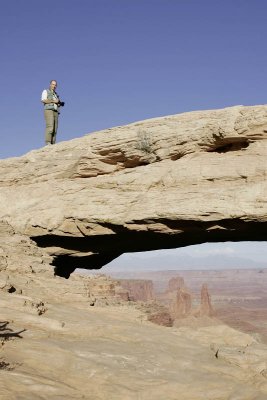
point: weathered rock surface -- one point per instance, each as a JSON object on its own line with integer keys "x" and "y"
{"x": 139, "y": 289}
{"x": 165, "y": 182}
{"x": 205, "y": 306}
{"x": 162, "y": 183}
{"x": 74, "y": 351}
{"x": 181, "y": 307}
{"x": 175, "y": 284}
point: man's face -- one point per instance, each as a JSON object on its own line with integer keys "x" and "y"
{"x": 53, "y": 85}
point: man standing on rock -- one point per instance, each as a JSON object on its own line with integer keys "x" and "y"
{"x": 52, "y": 103}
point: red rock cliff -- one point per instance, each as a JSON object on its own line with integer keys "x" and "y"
{"x": 138, "y": 289}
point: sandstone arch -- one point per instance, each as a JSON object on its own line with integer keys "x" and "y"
{"x": 162, "y": 183}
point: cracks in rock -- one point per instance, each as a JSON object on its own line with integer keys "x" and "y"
{"x": 146, "y": 147}
{"x": 177, "y": 156}
{"x": 226, "y": 147}
{"x": 124, "y": 157}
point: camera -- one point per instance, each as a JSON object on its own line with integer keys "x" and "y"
{"x": 61, "y": 103}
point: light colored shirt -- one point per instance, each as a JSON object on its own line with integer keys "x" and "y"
{"x": 44, "y": 97}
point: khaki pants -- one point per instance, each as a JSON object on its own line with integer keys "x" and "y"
{"x": 51, "y": 120}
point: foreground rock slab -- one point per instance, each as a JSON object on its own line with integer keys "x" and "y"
{"x": 76, "y": 351}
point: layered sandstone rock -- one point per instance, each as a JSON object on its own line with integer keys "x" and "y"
{"x": 103, "y": 353}
{"x": 162, "y": 183}
{"x": 25, "y": 271}
{"x": 158, "y": 314}
{"x": 181, "y": 307}
{"x": 206, "y": 307}
{"x": 139, "y": 289}
{"x": 175, "y": 284}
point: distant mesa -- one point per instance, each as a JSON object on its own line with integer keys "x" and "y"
{"x": 139, "y": 290}
{"x": 181, "y": 305}
{"x": 175, "y": 283}
{"x": 176, "y": 302}
{"x": 206, "y": 307}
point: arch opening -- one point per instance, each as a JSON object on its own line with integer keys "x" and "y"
{"x": 93, "y": 252}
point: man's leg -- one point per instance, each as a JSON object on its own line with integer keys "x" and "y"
{"x": 49, "y": 128}
{"x": 55, "y": 127}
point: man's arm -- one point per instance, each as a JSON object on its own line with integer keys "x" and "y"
{"x": 45, "y": 100}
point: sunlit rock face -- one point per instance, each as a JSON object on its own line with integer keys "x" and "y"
{"x": 139, "y": 290}
{"x": 206, "y": 306}
{"x": 161, "y": 183}
{"x": 175, "y": 283}
{"x": 181, "y": 307}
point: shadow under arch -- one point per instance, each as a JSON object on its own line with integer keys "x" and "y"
{"x": 93, "y": 252}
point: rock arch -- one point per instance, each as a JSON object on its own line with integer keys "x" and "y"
{"x": 161, "y": 183}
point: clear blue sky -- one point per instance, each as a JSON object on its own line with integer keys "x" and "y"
{"x": 119, "y": 61}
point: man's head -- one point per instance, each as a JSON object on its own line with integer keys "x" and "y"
{"x": 53, "y": 85}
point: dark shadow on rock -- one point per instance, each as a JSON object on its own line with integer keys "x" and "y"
{"x": 6, "y": 332}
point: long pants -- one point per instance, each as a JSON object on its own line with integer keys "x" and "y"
{"x": 51, "y": 120}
